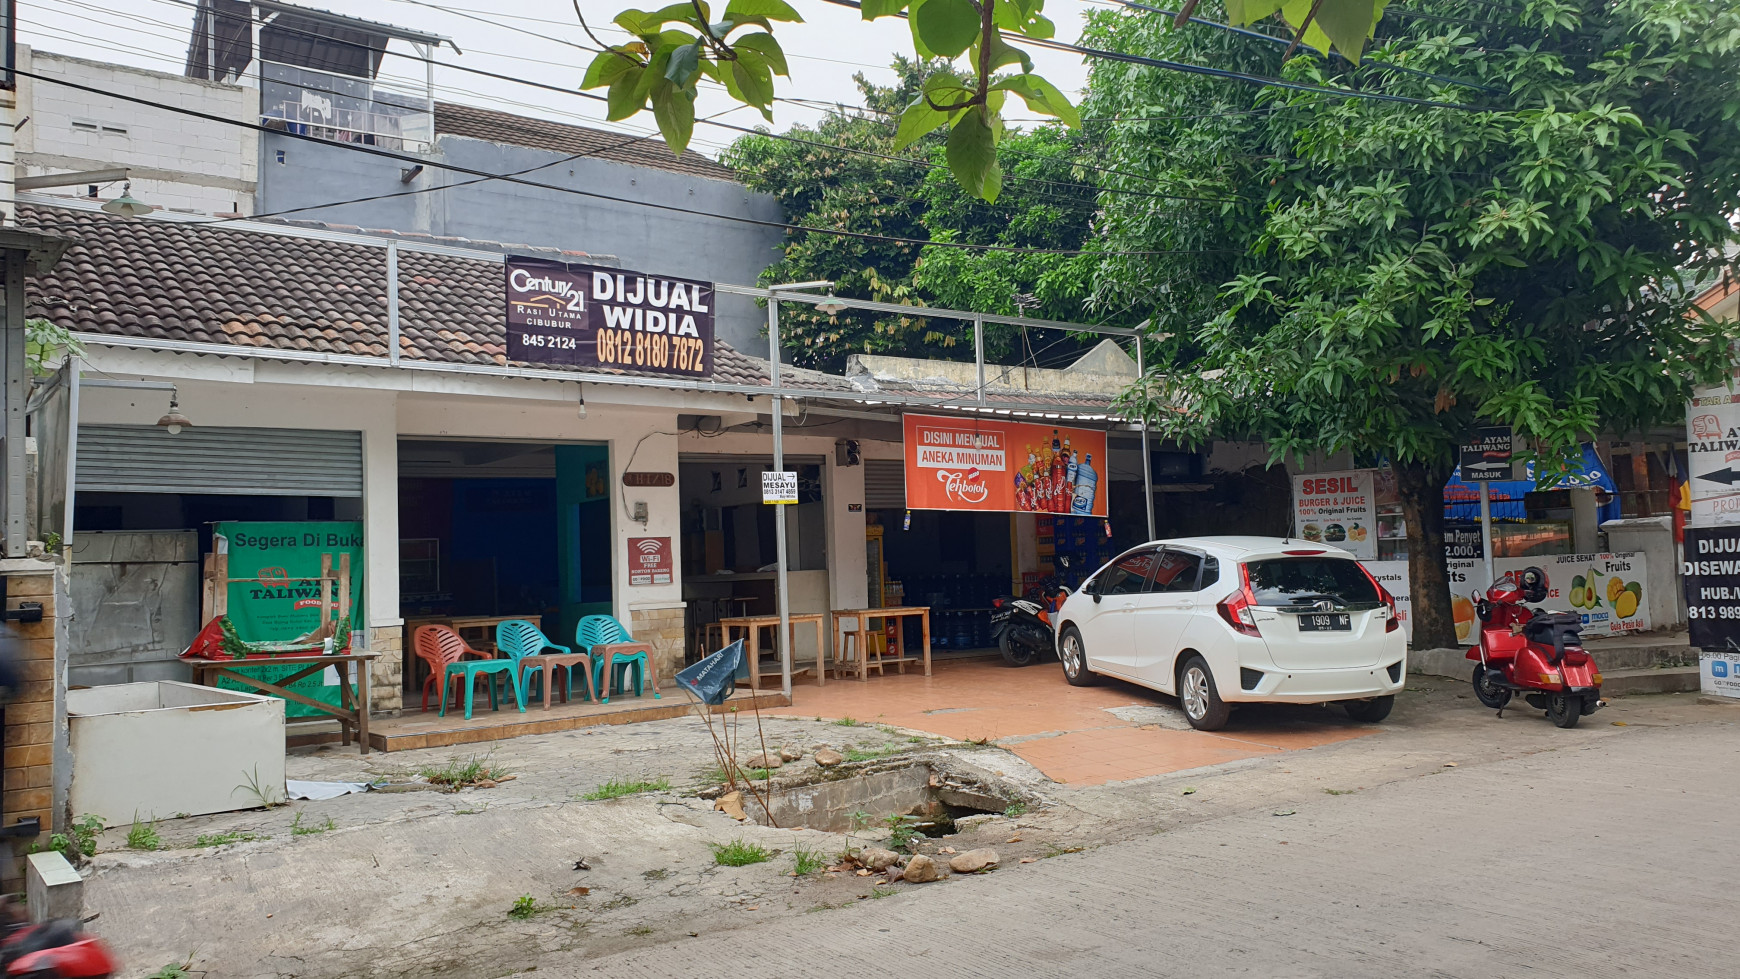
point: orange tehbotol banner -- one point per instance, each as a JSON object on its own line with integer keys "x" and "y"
{"x": 991, "y": 465}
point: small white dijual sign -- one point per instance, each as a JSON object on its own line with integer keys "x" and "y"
{"x": 778, "y": 487}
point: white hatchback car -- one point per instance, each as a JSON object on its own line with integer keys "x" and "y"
{"x": 1223, "y": 620}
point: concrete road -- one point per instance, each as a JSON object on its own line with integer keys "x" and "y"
{"x": 1608, "y": 857}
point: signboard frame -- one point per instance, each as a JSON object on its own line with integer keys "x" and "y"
{"x": 578, "y": 315}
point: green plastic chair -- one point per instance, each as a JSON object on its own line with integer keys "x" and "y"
{"x": 604, "y": 630}
{"x": 518, "y": 639}
{"x": 445, "y": 652}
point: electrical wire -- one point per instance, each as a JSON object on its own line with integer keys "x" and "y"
{"x": 729, "y": 126}
{"x": 652, "y": 205}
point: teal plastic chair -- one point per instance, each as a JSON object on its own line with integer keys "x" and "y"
{"x": 603, "y": 630}
{"x": 445, "y": 652}
{"x": 518, "y": 639}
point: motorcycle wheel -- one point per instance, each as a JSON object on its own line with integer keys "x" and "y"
{"x": 1489, "y": 693}
{"x": 1565, "y": 710}
{"x": 1016, "y": 652}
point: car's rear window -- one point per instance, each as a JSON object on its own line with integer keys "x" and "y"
{"x": 1286, "y": 581}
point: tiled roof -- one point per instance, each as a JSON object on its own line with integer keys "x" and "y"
{"x": 218, "y": 284}
{"x": 505, "y": 127}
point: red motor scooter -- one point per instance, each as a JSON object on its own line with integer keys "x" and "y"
{"x": 1539, "y": 654}
{"x": 57, "y": 949}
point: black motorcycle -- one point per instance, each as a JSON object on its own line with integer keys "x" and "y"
{"x": 1023, "y": 625}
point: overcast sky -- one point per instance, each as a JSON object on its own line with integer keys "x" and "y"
{"x": 533, "y": 39}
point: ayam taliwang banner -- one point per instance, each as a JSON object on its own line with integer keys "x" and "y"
{"x": 981, "y": 464}
{"x": 587, "y": 316}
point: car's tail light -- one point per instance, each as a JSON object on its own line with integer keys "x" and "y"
{"x": 996, "y": 603}
{"x": 1238, "y": 609}
{"x": 1301, "y": 553}
{"x": 1392, "y": 623}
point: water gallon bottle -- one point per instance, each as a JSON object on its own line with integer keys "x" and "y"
{"x": 1086, "y": 481}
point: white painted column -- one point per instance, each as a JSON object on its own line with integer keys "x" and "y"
{"x": 848, "y": 578}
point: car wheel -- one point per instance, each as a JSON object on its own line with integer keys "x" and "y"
{"x": 1074, "y": 657}
{"x": 1203, "y": 707}
{"x": 1370, "y": 711}
{"x": 1489, "y": 693}
{"x": 1565, "y": 710}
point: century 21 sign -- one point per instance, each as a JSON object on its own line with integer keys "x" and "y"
{"x": 587, "y": 316}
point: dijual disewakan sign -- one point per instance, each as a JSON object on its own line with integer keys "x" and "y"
{"x": 980, "y": 464}
{"x": 588, "y": 316}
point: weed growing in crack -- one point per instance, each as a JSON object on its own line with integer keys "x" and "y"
{"x": 1339, "y": 791}
{"x": 1016, "y": 808}
{"x": 267, "y": 796}
{"x": 873, "y": 754}
{"x": 860, "y": 819}
{"x": 297, "y": 829}
{"x": 878, "y": 893}
{"x": 805, "y": 861}
{"x": 659, "y": 874}
{"x": 640, "y": 931}
{"x": 225, "y": 839}
{"x": 847, "y": 722}
{"x": 80, "y": 839}
{"x": 456, "y": 774}
{"x": 738, "y": 853}
{"x": 617, "y": 788}
{"x": 526, "y": 907}
{"x": 174, "y": 970}
{"x": 143, "y": 836}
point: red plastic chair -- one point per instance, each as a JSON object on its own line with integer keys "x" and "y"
{"x": 442, "y": 648}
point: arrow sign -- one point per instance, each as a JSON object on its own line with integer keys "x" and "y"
{"x": 1728, "y": 476}
{"x": 1490, "y": 465}
{"x": 1487, "y": 458}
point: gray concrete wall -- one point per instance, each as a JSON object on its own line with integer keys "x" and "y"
{"x": 645, "y": 239}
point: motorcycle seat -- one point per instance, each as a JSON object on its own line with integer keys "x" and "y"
{"x": 1556, "y": 629}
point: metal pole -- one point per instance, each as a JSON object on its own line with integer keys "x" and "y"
{"x": 979, "y": 352}
{"x": 1147, "y": 462}
{"x": 1486, "y": 530}
{"x": 779, "y": 519}
{"x": 17, "y": 388}
{"x": 393, "y": 303}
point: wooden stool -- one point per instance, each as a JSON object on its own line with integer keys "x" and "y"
{"x": 849, "y": 662}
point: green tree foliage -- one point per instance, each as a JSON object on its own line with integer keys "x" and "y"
{"x": 1398, "y": 274}
{"x": 846, "y": 174}
{"x": 679, "y": 46}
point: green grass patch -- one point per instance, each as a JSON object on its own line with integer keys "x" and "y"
{"x": 738, "y": 853}
{"x": 174, "y": 970}
{"x": 617, "y": 788}
{"x": 1339, "y": 791}
{"x": 526, "y": 907}
{"x": 297, "y": 829}
{"x": 1016, "y": 808}
{"x": 226, "y": 838}
{"x": 878, "y": 893}
{"x": 80, "y": 839}
{"x": 143, "y": 836}
{"x": 847, "y": 722}
{"x": 456, "y": 774}
{"x": 805, "y": 861}
{"x": 758, "y": 774}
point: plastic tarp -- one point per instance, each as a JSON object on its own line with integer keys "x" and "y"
{"x": 1462, "y": 500}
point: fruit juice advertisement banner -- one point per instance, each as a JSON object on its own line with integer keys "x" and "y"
{"x": 978, "y": 464}
{"x": 1338, "y": 508}
{"x": 1606, "y": 590}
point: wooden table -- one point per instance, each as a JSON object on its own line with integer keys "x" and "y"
{"x": 753, "y": 624}
{"x": 352, "y": 710}
{"x": 863, "y": 617}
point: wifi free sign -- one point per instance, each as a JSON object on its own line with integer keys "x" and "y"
{"x": 587, "y": 316}
{"x": 649, "y": 561}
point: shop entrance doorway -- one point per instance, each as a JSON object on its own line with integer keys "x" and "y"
{"x": 492, "y": 530}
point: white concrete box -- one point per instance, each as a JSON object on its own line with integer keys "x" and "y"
{"x": 161, "y": 749}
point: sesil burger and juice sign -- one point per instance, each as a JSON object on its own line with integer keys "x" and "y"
{"x": 979, "y": 464}
{"x": 588, "y": 316}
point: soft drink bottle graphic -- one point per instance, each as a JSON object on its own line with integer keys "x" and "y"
{"x": 1086, "y": 482}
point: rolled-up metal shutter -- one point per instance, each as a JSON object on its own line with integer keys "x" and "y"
{"x": 222, "y": 461}
{"x": 884, "y": 484}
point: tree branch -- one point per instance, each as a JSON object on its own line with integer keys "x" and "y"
{"x": 613, "y": 49}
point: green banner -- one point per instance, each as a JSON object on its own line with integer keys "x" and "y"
{"x": 285, "y": 602}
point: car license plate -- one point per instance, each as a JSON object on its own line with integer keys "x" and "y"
{"x": 1332, "y": 622}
